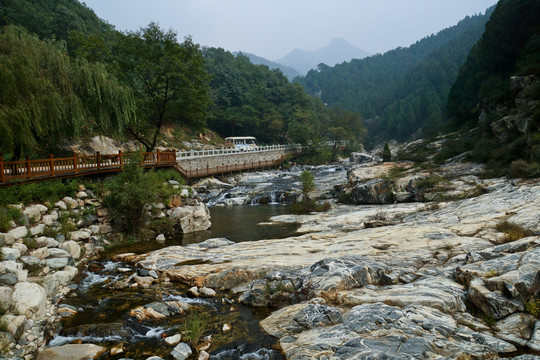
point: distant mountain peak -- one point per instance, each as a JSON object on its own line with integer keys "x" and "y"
{"x": 337, "y": 51}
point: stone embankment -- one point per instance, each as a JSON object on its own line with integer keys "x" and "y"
{"x": 40, "y": 258}
{"x": 407, "y": 280}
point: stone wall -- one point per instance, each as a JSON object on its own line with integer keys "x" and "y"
{"x": 231, "y": 159}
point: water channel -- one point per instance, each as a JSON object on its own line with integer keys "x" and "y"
{"x": 103, "y": 313}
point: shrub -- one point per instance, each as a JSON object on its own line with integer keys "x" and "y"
{"x": 308, "y": 184}
{"x": 194, "y": 328}
{"x": 308, "y": 206}
{"x": 162, "y": 226}
{"x": 129, "y": 194}
{"x": 8, "y": 214}
{"x": 512, "y": 231}
{"x": 345, "y": 197}
{"x": 524, "y": 169}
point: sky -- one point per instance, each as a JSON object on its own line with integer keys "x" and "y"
{"x": 273, "y": 28}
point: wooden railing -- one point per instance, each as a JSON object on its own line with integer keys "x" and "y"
{"x": 225, "y": 169}
{"x": 230, "y": 151}
{"x": 32, "y": 170}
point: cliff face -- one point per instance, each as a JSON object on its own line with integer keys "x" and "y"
{"x": 518, "y": 117}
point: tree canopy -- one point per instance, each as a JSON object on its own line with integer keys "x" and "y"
{"x": 168, "y": 81}
{"x": 45, "y": 95}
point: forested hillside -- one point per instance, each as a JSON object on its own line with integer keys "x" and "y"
{"x": 498, "y": 92}
{"x": 404, "y": 89}
{"x": 65, "y": 72}
{"x": 510, "y": 46}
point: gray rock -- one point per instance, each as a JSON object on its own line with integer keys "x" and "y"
{"x": 181, "y": 352}
{"x": 10, "y": 253}
{"x": 6, "y": 293}
{"x": 57, "y": 263}
{"x": 8, "y": 279}
{"x": 191, "y": 218}
{"x": 15, "y": 325}
{"x": 160, "y": 238}
{"x": 30, "y": 260}
{"x": 360, "y": 158}
{"x": 72, "y": 351}
{"x": 373, "y": 192}
{"x": 58, "y": 253}
{"x": 30, "y": 300}
{"x": 494, "y": 303}
{"x": 214, "y": 243}
{"x": 173, "y": 340}
{"x": 72, "y": 248}
{"x": 15, "y": 234}
{"x": 343, "y": 273}
{"x": 37, "y": 230}
{"x": 516, "y": 328}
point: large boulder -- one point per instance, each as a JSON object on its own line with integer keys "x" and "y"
{"x": 376, "y": 191}
{"x": 30, "y": 300}
{"x": 360, "y": 158}
{"x": 191, "y": 218}
{"x": 72, "y": 352}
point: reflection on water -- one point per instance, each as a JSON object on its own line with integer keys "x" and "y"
{"x": 236, "y": 223}
{"x": 241, "y": 223}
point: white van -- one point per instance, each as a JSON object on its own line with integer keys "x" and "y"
{"x": 241, "y": 142}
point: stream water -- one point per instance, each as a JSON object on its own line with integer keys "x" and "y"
{"x": 103, "y": 312}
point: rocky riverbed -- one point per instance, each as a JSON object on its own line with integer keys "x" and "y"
{"x": 406, "y": 280}
{"x": 391, "y": 275}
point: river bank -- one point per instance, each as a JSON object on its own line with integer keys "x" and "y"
{"x": 395, "y": 276}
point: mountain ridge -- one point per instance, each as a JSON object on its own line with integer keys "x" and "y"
{"x": 337, "y": 51}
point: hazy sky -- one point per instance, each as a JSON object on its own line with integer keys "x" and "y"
{"x": 272, "y": 28}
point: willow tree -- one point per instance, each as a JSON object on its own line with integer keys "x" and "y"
{"x": 46, "y": 96}
{"x": 168, "y": 80}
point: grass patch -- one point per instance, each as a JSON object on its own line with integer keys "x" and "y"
{"x": 512, "y": 231}
{"x": 39, "y": 192}
{"x": 8, "y": 214}
{"x": 533, "y": 307}
{"x": 429, "y": 182}
{"x": 524, "y": 169}
{"x": 194, "y": 328}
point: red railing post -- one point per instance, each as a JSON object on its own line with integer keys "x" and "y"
{"x": 120, "y": 160}
{"x": 2, "y": 168}
{"x": 98, "y": 159}
{"x": 28, "y": 169}
{"x": 51, "y": 164}
{"x": 75, "y": 162}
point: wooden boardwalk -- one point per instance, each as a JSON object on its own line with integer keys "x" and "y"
{"x": 25, "y": 171}
{"x": 17, "y": 172}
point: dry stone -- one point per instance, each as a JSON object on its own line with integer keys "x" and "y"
{"x": 72, "y": 352}
{"x": 30, "y": 300}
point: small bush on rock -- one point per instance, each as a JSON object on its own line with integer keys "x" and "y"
{"x": 512, "y": 231}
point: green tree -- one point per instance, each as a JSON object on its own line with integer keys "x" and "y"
{"x": 308, "y": 184}
{"x": 168, "y": 80}
{"x": 386, "y": 154}
{"x": 45, "y": 96}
